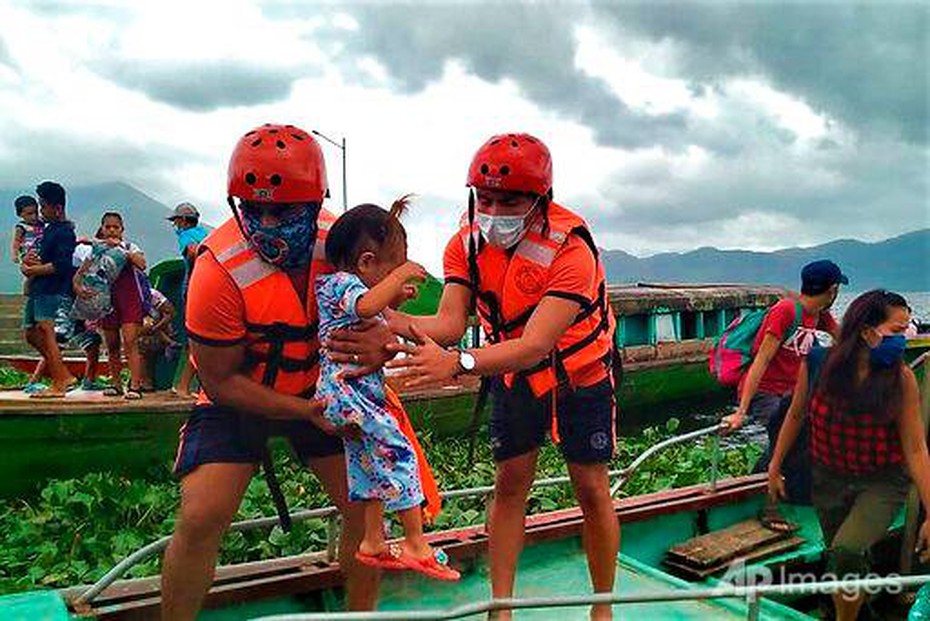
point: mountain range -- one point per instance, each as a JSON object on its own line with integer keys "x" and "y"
{"x": 901, "y": 263}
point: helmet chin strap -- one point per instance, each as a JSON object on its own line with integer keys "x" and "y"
{"x": 235, "y": 212}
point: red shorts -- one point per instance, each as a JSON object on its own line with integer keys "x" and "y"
{"x": 127, "y": 301}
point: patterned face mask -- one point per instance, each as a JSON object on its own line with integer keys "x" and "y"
{"x": 289, "y": 243}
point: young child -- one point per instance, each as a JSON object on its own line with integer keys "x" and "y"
{"x": 28, "y": 231}
{"x": 156, "y": 337}
{"x": 368, "y": 247}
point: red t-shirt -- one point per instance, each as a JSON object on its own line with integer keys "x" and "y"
{"x": 782, "y": 372}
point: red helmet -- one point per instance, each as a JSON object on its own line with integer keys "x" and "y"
{"x": 277, "y": 164}
{"x": 515, "y": 162}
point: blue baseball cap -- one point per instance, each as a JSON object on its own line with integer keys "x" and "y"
{"x": 818, "y": 276}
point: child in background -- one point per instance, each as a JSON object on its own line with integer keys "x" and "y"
{"x": 27, "y": 232}
{"x": 156, "y": 337}
{"x": 368, "y": 246}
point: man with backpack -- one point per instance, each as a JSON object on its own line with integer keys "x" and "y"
{"x": 785, "y": 336}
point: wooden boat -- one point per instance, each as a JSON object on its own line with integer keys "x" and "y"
{"x": 676, "y": 545}
{"x": 552, "y": 565}
{"x": 664, "y": 330}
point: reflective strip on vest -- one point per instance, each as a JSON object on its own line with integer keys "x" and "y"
{"x": 251, "y": 272}
{"x": 556, "y": 236}
{"x": 232, "y": 251}
{"x": 537, "y": 253}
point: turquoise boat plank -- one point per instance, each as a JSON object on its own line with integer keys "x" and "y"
{"x": 34, "y": 606}
{"x": 559, "y": 569}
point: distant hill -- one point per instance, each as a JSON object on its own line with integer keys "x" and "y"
{"x": 143, "y": 215}
{"x": 901, "y": 263}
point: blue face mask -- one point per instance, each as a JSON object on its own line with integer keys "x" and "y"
{"x": 289, "y": 243}
{"x": 889, "y": 351}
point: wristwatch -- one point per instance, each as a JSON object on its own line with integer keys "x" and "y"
{"x": 466, "y": 363}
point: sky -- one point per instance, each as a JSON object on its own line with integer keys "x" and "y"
{"x": 754, "y": 125}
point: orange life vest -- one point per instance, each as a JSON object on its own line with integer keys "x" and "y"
{"x": 282, "y": 340}
{"x": 282, "y": 343}
{"x": 509, "y": 286}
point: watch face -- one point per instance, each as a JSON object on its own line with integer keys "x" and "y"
{"x": 467, "y": 361}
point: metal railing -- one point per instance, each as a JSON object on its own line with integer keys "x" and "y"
{"x": 751, "y": 595}
{"x": 331, "y": 514}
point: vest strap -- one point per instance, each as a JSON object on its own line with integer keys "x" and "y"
{"x": 283, "y": 332}
{"x": 288, "y": 365}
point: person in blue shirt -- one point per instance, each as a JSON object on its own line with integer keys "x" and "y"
{"x": 187, "y": 227}
{"x": 186, "y": 221}
{"x": 50, "y": 271}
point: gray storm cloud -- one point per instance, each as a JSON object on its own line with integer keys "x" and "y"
{"x": 74, "y": 160}
{"x": 531, "y": 44}
{"x": 862, "y": 65}
{"x": 203, "y": 85}
{"x": 866, "y": 64}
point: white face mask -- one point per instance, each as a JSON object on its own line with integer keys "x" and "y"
{"x": 503, "y": 231}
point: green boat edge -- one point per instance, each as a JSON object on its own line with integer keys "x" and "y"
{"x": 673, "y": 374}
{"x": 552, "y": 564}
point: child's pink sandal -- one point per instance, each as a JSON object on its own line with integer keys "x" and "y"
{"x": 389, "y": 558}
{"x": 435, "y": 566}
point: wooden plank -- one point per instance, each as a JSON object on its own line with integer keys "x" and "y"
{"x": 129, "y": 600}
{"x": 720, "y": 546}
{"x": 692, "y": 573}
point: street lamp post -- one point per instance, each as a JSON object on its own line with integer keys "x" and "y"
{"x": 341, "y": 145}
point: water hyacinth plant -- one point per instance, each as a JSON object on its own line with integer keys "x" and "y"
{"x": 74, "y": 530}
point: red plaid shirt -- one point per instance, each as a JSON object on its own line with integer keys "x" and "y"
{"x": 854, "y": 444}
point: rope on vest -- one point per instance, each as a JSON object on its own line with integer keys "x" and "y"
{"x": 276, "y": 336}
{"x": 484, "y": 387}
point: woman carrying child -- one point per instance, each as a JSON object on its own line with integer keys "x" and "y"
{"x": 121, "y": 326}
{"x": 867, "y": 441}
{"x": 368, "y": 247}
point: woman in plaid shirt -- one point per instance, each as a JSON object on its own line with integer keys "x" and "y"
{"x": 867, "y": 440}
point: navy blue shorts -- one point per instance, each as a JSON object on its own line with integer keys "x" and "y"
{"x": 218, "y": 435}
{"x": 520, "y": 421}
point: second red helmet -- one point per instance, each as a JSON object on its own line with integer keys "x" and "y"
{"x": 277, "y": 164}
{"x": 513, "y": 162}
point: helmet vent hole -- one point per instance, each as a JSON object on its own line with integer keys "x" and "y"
{"x": 256, "y": 142}
{"x": 280, "y": 144}
{"x": 250, "y": 178}
{"x": 272, "y": 131}
{"x": 513, "y": 143}
{"x": 275, "y": 179}
{"x": 297, "y": 136}
{"x": 505, "y": 169}
{"x": 251, "y": 133}
{"x": 495, "y": 141}
{"x": 485, "y": 169}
